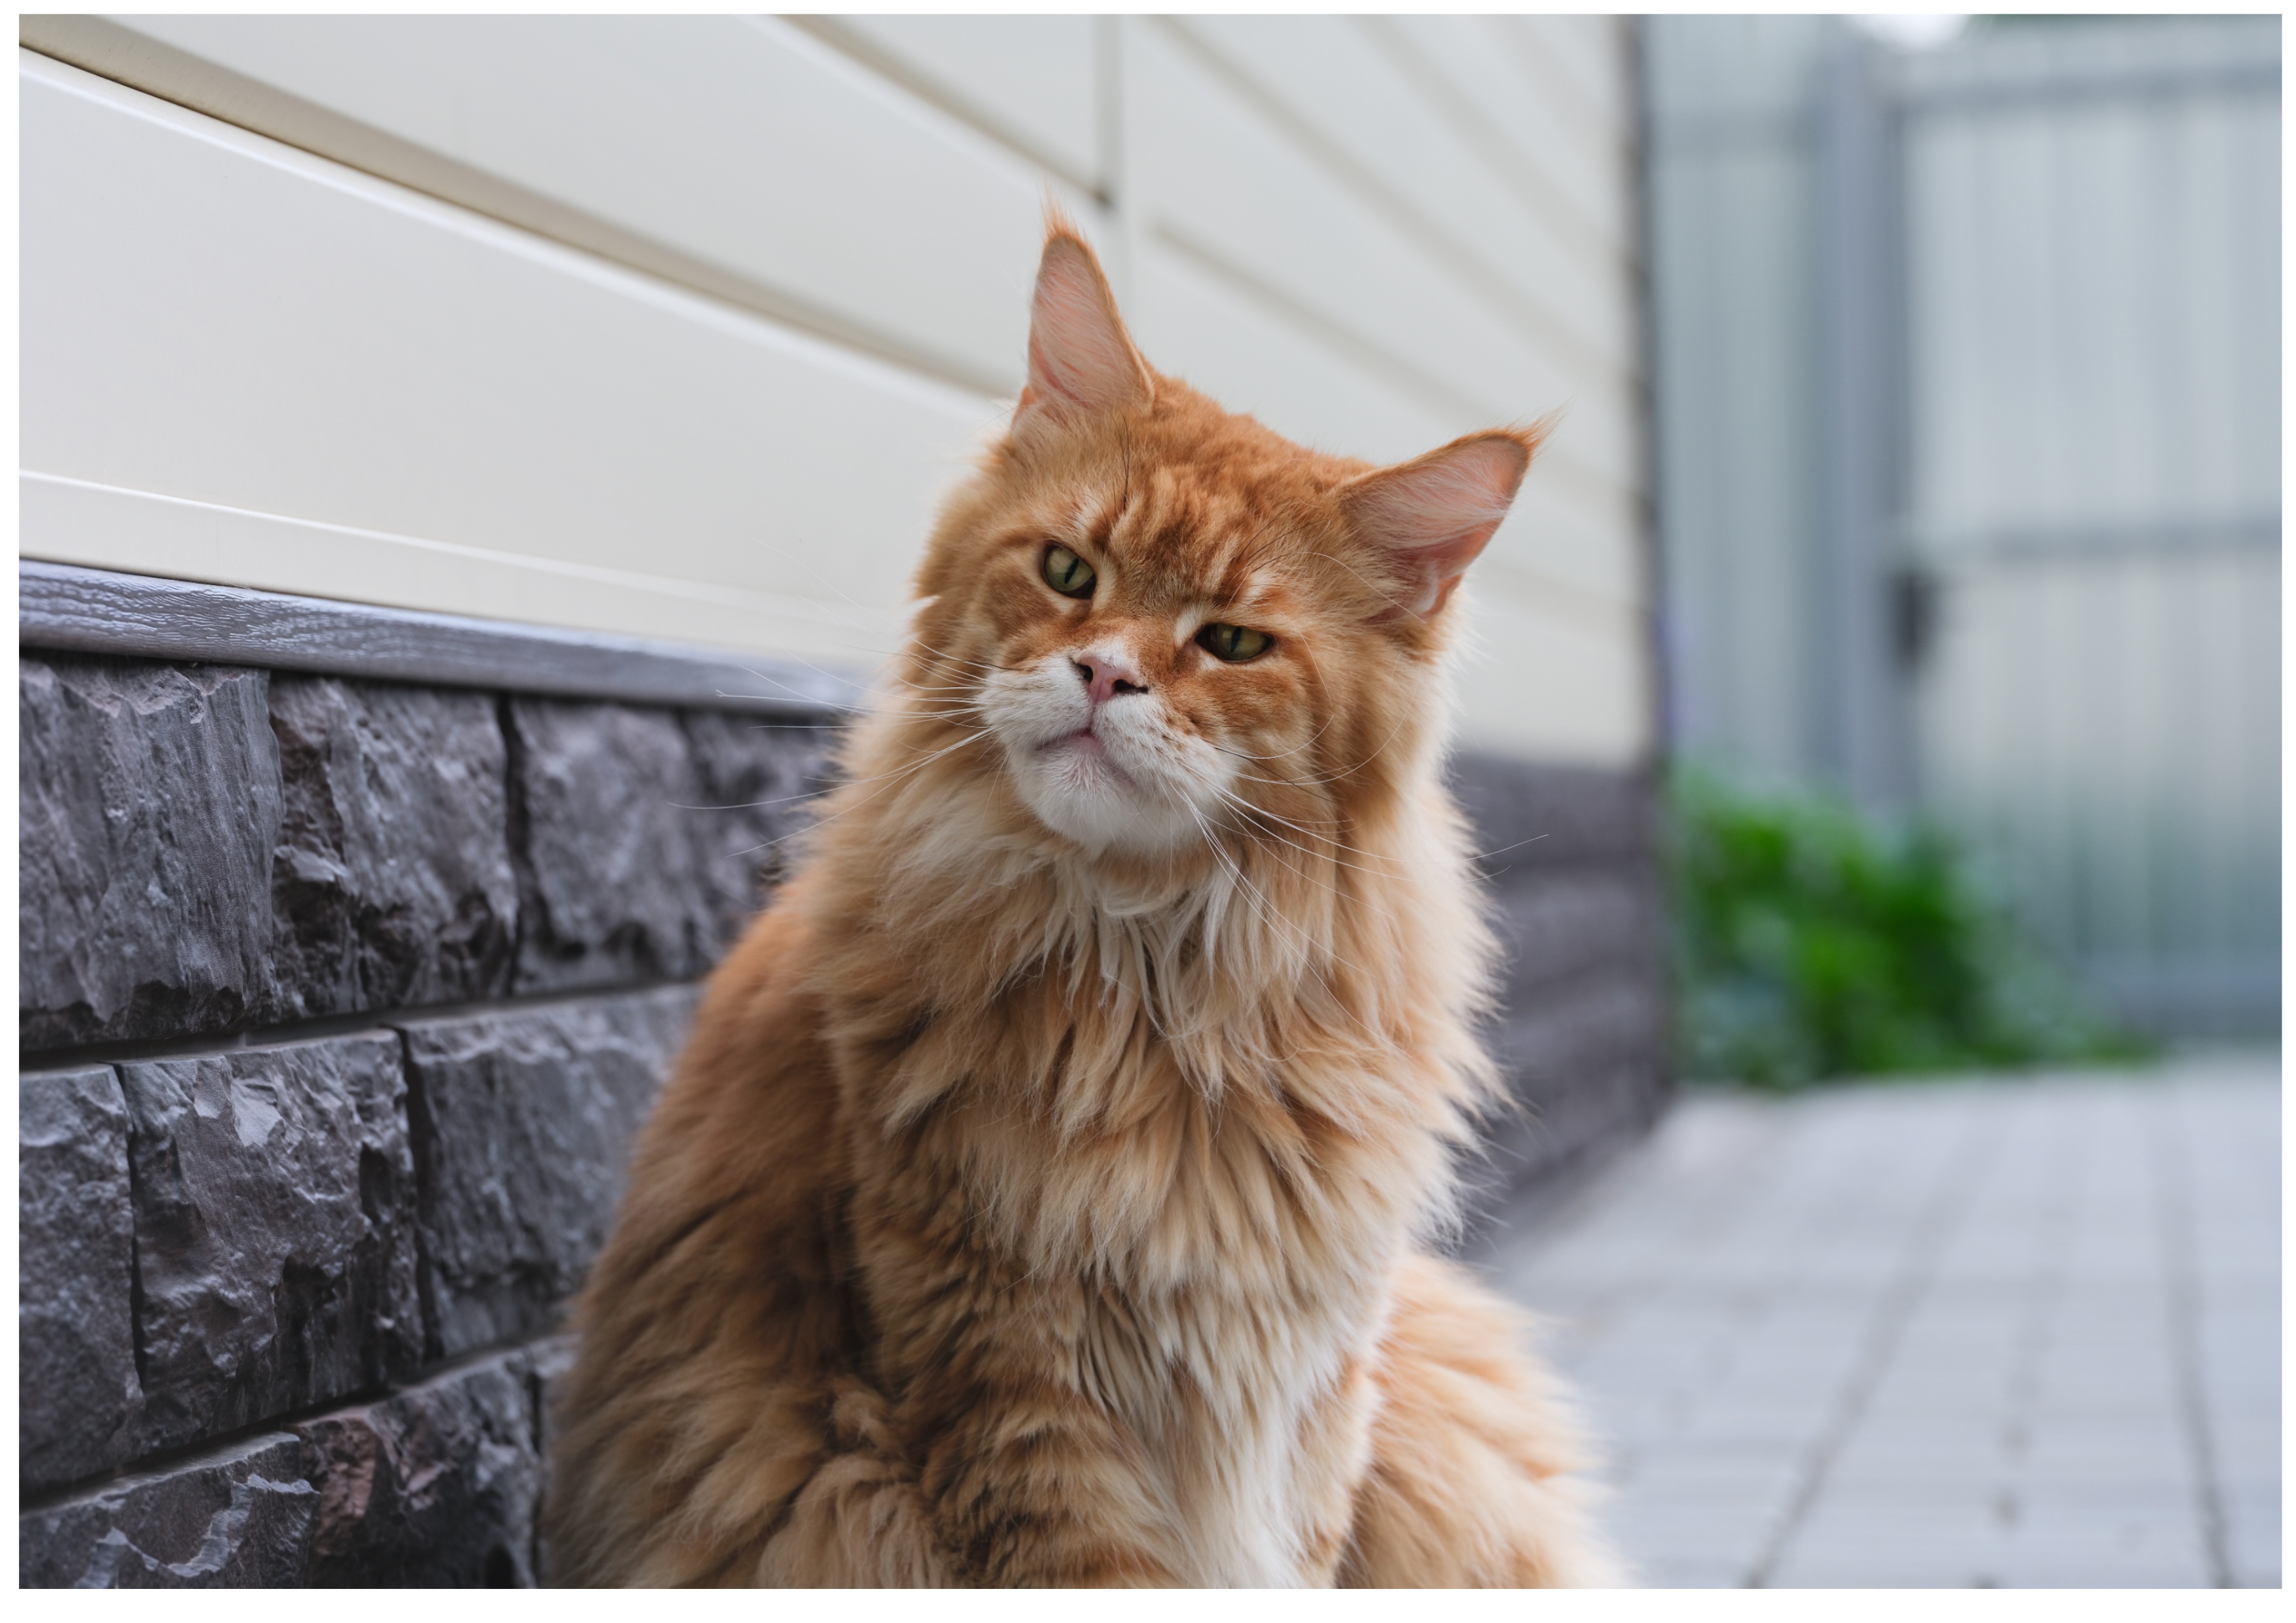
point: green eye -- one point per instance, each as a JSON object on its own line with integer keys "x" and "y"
{"x": 1066, "y": 573}
{"x": 1233, "y": 642}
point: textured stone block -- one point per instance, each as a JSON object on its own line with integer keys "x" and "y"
{"x": 1586, "y": 1067}
{"x": 392, "y": 883}
{"x": 552, "y": 1360}
{"x": 236, "y": 1519}
{"x": 1528, "y": 817}
{"x": 527, "y": 1120}
{"x": 1590, "y": 1021}
{"x": 1593, "y": 920}
{"x": 434, "y": 1487}
{"x": 611, "y": 882}
{"x": 150, "y": 802}
{"x": 76, "y": 1388}
{"x": 754, "y": 778}
{"x": 274, "y": 1229}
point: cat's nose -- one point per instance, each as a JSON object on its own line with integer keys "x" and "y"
{"x": 1106, "y": 675}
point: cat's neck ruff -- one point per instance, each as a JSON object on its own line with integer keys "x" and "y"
{"x": 1344, "y": 980}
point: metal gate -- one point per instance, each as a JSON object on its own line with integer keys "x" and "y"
{"x": 2031, "y": 554}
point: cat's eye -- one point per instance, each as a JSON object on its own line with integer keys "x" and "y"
{"x": 1235, "y": 644}
{"x": 1068, "y": 574}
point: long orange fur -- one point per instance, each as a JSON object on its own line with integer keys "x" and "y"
{"x": 1040, "y": 1198}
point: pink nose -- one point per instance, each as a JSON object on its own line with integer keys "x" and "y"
{"x": 1105, "y": 675}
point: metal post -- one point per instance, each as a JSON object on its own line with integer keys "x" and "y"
{"x": 1859, "y": 718}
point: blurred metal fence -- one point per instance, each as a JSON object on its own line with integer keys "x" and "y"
{"x": 1969, "y": 388}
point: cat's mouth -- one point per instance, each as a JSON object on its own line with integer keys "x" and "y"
{"x": 1084, "y": 756}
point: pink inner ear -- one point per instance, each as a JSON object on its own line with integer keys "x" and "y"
{"x": 1434, "y": 515}
{"x": 1078, "y": 353}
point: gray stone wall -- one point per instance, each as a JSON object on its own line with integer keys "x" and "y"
{"x": 1584, "y": 1034}
{"x": 339, "y": 1002}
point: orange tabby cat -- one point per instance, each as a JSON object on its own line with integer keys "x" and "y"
{"x": 1037, "y": 1200}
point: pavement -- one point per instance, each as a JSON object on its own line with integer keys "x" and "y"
{"x": 2006, "y": 1332}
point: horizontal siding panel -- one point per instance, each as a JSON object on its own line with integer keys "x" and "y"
{"x": 1564, "y": 161}
{"x": 1031, "y": 81}
{"x": 1551, "y": 686}
{"x": 1211, "y": 167}
{"x": 1560, "y": 538}
{"x": 1578, "y": 58}
{"x": 1190, "y": 324}
{"x": 338, "y": 386}
{"x": 1332, "y": 75}
{"x": 209, "y": 315}
{"x": 1587, "y": 545}
{"x": 740, "y": 142}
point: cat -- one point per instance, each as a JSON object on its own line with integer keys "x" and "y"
{"x": 1041, "y": 1197}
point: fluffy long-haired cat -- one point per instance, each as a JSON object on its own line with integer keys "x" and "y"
{"x": 1039, "y": 1197}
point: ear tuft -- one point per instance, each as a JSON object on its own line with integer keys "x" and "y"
{"x": 1429, "y": 517}
{"x": 1081, "y": 361}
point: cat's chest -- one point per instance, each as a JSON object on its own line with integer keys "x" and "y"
{"x": 1177, "y": 1267}
{"x": 1252, "y": 1419}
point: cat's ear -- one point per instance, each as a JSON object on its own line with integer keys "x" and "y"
{"x": 1429, "y": 517}
{"x": 1081, "y": 361}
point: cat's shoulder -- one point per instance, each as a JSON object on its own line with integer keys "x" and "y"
{"x": 755, "y": 1078}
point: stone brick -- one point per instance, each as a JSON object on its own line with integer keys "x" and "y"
{"x": 1593, "y": 1019}
{"x": 552, "y": 1360}
{"x": 432, "y": 1488}
{"x": 149, "y": 804}
{"x": 1585, "y": 1061}
{"x": 611, "y": 887}
{"x": 237, "y": 1519}
{"x": 526, "y": 1120}
{"x": 392, "y": 883}
{"x": 76, "y": 1396}
{"x": 753, "y": 778}
{"x": 274, "y": 1226}
{"x": 1600, "y": 919}
{"x": 1528, "y": 817}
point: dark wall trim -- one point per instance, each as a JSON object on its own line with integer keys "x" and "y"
{"x": 89, "y": 611}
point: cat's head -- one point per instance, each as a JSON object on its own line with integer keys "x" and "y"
{"x": 1170, "y": 621}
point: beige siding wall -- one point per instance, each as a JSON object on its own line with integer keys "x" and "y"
{"x": 676, "y": 327}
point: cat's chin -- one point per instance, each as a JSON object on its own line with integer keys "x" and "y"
{"x": 1076, "y": 790}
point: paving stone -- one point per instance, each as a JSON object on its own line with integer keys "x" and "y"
{"x": 149, "y": 799}
{"x": 435, "y": 1487}
{"x": 77, "y": 1394}
{"x": 392, "y": 883}
{"x": 2028, "y": 1427}
{"x": 613, "y": 887}
{"x": 238, "y": 1518}
{"x": 526, "y": 1123}
{"x": 1686, "y": 1572}
{"x": 274, "y": 1230}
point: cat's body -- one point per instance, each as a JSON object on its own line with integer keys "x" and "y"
{"x": 1036, "y": 1200}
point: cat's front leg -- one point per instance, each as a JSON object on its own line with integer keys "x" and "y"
{"x": 861, "y": 1521}
{"x": 1035, "y": 1486}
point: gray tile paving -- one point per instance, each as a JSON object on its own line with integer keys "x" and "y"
{"x": 1997, "y": 1332}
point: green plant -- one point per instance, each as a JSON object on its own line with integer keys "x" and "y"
{"x": 1814, "y": 941}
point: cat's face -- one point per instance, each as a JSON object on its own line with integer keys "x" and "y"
{"x": 1154, "y": 654}
{"x": 1168, "y": 620}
